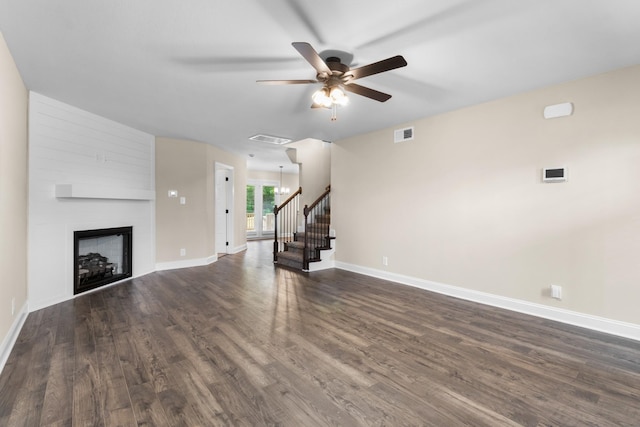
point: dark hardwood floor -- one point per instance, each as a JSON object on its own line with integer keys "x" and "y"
{"x": 240, "y": 342}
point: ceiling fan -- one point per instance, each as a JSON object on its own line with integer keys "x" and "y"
{"x": 337, "y": 77}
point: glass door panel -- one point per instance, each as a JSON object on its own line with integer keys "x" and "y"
{"x": 268, "y": 203}
{"x": 251, "y": 209}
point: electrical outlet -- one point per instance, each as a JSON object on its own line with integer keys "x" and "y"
{"x": 183, "y": 252}
{"x": 13, "y": 306}
{"x": 183, "y": 200}
{"x": 385, "y": 260}
{"x": 556, "y": 292}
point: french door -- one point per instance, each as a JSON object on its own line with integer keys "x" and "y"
{"x": 261, "y": 199}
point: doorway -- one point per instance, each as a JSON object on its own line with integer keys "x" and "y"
{"x": 261, "y": 199}
{"x": 223, "y": 208}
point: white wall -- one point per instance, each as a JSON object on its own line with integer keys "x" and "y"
{"x": 71, "y": 146}
{"x": 463, "y": 205}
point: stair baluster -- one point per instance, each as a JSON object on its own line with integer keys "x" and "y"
{"x": 286, "y": 223}
{"x": 316, "y": 228}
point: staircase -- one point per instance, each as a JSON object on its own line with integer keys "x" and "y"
{"x": 311, "y": 249}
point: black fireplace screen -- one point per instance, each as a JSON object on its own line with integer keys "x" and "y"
{"x": 101, "y": 257}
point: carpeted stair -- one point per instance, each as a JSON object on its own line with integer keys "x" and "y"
{"x": 292, "y": 256}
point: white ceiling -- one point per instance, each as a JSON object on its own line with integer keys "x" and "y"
{"x": 187, "y": 69}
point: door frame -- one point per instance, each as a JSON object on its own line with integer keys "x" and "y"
{"x": 259, "y": 183}
{"x": 226, "y": 194}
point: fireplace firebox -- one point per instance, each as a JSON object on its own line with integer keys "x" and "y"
{"x": 101, "y": 257}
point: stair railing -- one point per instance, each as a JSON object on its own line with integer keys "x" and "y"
{"x": 316, "y": 229}
{"x": 286, "y": 222}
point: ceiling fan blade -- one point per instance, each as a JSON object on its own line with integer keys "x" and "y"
{"x": 312, "y": 57}
{"x": 368, "y": 92}
{"x": 286, "y": 82}
{"x": 377, "y": 67}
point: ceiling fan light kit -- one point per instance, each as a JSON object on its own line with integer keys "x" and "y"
{"x": 327, "y": 97}
{"x": 337, "y": 78}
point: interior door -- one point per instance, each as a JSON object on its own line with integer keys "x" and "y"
{"x": 224, "y": 202}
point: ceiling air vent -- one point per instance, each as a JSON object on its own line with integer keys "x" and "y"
{"x": 269, "y": 139}
{"x": 401, "y": 135}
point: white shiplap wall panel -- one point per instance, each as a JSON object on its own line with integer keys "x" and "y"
{"x": 71, "y": 146}
{"x": 90, "y": 147}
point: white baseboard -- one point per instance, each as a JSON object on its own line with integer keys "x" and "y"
{"x": 238, "y": 249}
{"x": 324, "y": 264}
{"x": 601, "y": 324}
{"x": 196, "y": 262}
{"x": 12, "y": 335}
{"x": 327, "y": 259}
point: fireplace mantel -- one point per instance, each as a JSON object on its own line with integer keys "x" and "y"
{"x": 87, "y": 191}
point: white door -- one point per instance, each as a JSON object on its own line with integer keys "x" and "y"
{"x": 223, "y": 205}
{"x": 261, "y": 199}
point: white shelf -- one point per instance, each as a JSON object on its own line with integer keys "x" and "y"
{"x": 84, "y": 191}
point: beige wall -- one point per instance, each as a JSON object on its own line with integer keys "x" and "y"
{"x": 463, "y": 204}
{"x": 314, "y": 158}
{"x": 13, "y": 190}
{"x": 189, "y": 168}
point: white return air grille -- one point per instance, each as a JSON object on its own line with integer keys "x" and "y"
{"x": 269, "y": 139}
{"x": 402, "y": 135}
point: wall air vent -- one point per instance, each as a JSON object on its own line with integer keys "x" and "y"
{"x": 401, "y": 135}
{"x": 269, "y": 139}
{"x": 554, "y": 174}
{"x": 558, "y": 110}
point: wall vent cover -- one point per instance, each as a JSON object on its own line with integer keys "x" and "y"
{"x": 269, "y": 139}
{"x": 401, "y": 135}
{"x": 558, "y": 174}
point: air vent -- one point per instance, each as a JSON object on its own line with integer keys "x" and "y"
{"x": 554, "y": 174}
{"x": 401, "y": 135}
{"x": 269, "y": 139}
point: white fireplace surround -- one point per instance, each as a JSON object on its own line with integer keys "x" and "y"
{"x": 85, "y": 173}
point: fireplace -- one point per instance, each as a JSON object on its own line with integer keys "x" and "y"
{"x": 101, "y": 257}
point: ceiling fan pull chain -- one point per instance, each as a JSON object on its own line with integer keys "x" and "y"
{"x": 334, "y": 113}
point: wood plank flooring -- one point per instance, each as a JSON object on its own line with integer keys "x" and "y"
{"x": 242, "y": 343}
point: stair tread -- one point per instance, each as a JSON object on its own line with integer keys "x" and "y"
{"x": 312, "y": 235}
{"x": 294, "y": 256}
{"x": 290, "y": 255}
{"x": 300, "y": 246}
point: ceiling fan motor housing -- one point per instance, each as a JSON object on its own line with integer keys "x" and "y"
{"x": 338, "y": 70}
